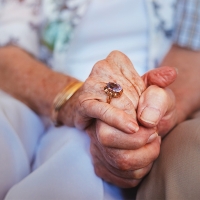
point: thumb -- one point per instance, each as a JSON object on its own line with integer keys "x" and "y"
{"x": 154, "y": 104}
{"x": 162, "y": 76}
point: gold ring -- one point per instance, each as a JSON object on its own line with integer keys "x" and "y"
{"x": 113, "y": 90}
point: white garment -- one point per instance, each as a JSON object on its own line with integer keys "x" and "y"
{"x": 20, "y": 130}
{"x": 62, "y": 164}
{"x": 95, "y": 37}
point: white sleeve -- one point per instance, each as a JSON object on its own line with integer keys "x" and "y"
{"x": 20, "y": 22}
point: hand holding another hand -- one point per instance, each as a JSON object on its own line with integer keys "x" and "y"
{"x": 120, "y": 158}
{"x": 124, "y": 159}
{"x": 89, "y": 102}
{"x": 123, "y": 151}
{"x": 157, "y": 104}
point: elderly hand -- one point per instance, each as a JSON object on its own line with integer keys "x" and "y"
{"x": 115, "y": 145}
{"x": 124, "y": 159}
{"x": 89, "y": 101}
{"x": 157, "y": 104}
{"x": 121, "y": 154}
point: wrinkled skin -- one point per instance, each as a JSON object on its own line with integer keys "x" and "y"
{"x": 90, "y": 101}
{"x": 124, "y": 150}
{"x": 158, "y": 99}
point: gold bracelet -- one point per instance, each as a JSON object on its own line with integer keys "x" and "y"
{"x": 62, "y": 98}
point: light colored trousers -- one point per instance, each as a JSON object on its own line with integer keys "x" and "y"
{"x": 176, "y": 173}
{"x": 41, "y": 162}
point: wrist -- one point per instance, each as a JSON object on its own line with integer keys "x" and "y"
{"x": 187, "y": 84}
{"x": 59, "y": 104}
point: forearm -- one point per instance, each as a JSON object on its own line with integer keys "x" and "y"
{"x": 187, "y": 85}
{"x": 29, "y": 80}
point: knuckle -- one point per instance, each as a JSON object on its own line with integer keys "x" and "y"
{"x": 101, "y": 172}
{"x": 98, "y": 65}
{"x": 128, "y": 105}
{"x": 103, "y": 138}
{"x": 129, "y": 183}
{"x": 134, "y": 183}
{"x": 154, "y": 89}
{"x": 97, "y": 170}
{"x": 103, "y": 134}
{"x": 140, "y": 173}
{"x": 115, "y": 53}
{"x": 82, "y": 101}
{"x": 152, "y": 155}
{"x": 159, "y": 91}
{"x": 123, "y": 161}
{"x": 140, "y": 141}
{"x": 156, "y": 155}
{"x": 105, "y": 113}
{"x": 92, "y": 149}
{"x": 117, "y": 56}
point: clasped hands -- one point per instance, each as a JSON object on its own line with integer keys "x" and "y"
{"x": 124, "y": 133}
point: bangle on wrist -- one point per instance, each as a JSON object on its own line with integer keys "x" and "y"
{"x": 62, "y": 98}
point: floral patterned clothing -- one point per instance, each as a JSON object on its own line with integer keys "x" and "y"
{"x": 45, "y": 28}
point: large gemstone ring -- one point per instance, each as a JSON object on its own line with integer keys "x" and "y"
{"x": 113, "y": 90}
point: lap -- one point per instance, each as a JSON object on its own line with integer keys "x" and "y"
{"x": 20, "y": 130}
{"x": 63, "y": 170}
{"x": 19, "y": 123}
{"x": 175, "y": 174}
{"x": 62, "y": 165}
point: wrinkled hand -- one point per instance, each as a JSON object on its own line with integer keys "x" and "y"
{"x": 89, "y": 102}
{"x": 157, "y": 104}
{"x": 121, "y": 154}
{"x": 124, "y": 159}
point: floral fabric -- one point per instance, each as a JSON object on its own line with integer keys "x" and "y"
{"x": 62, "y": 16}
{"x": 45, "y": 28}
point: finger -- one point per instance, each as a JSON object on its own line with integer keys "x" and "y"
{"x": 123, "y": 73}
{"x": 109, "y": 114}
{"x": 127, "y": 102}
{"x": 129, "y": 174}
{"x": 114, "y": 138}
{"x": 154, "y": 103}
{"x": 117, "y": 58}
{"x": 132, "y": 159}
{"x": 105, "y": 174}
{"x": 115, "y": 63}
{"x": 102, "y": 171}
{"x": 162, "y": 76}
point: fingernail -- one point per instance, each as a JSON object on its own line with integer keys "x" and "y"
{"x": 152, "y": 137}
{"x": 150, "y": 115}
{"x": 133, "y": 127}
